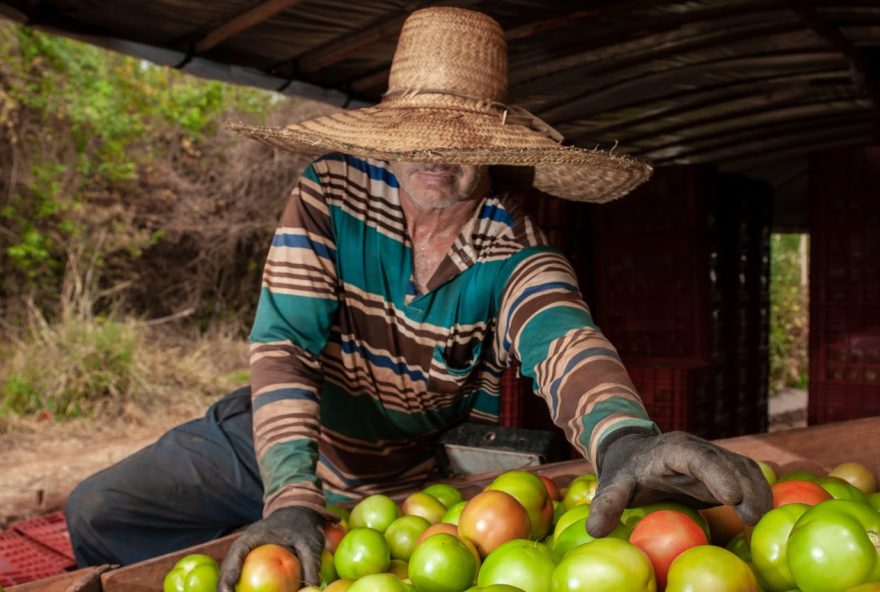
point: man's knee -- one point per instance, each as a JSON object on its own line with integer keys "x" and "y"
{"x": 86, "y": 511}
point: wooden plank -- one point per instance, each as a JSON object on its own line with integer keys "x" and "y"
{"x": 244, "y": 21}
{"x": 87, "y": 579}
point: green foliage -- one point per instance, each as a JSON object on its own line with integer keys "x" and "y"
{"x": 789, "y": 312}
{"x": 82, "y": 125}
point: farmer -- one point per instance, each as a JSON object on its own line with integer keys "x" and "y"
{"x": 403, "y": 278}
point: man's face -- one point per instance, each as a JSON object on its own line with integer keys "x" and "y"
{"x": 433, "y": 185}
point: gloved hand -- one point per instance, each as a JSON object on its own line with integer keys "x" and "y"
{"x": 642, "y": 468}
{"x": 299, "y": 529}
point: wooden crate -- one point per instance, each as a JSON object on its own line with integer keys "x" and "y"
{"x": 817, "y": 448}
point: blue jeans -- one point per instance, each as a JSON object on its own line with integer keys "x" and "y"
{"x": 196, "y": 483}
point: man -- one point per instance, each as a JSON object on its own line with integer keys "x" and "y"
{"x": 403, "y": 278}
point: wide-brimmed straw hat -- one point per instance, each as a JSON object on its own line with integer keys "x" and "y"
{"x": 445, "y": 103}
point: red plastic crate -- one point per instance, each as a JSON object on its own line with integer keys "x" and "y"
{"x": 674, "y": 396}
{"x": 841, "y": 401}
{"x": 23, "y": 560}
{"x": 49, "y": 530}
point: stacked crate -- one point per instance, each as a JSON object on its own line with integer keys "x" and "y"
{"x": 845, "y": 285}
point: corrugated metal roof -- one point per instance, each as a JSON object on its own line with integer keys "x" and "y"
{"x": 741, "y": 83}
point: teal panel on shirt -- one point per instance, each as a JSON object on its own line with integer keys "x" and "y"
{"x": 310, "y": 174}
{"x": 289, "y": 463}
{"x": 362, "y": 417}
{"x": 306, "y": 321}
{"x": 487, "y": 403}
{"x": 543, "y": 329}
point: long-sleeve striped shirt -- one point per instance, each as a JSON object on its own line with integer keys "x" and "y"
{"x": 354, "y": 372}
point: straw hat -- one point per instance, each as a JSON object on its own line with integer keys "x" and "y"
{"x": 445, "y": 103}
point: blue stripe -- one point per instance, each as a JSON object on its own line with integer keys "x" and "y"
{"x": 587, "y": 353}
{"x": 286, "y": 394}
{"x": 298, "y": 241}
{"x": 528, "y": 292}
{"x": 497, "y": 213}
{"x": 375, "y": 173}
{"x": 381, "y": 361}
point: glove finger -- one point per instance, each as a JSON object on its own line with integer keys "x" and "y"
{"x": 230, "y": 569}
{"x": 609, "y": 503}
{"x": 711, "y": 469}
{"x": 757, "y": 498}
{"x": 308, "y": 549}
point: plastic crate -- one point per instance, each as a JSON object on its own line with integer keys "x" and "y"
{"x": 49, "y": 530}
{"x": 840, "y": 401}
{"x": 675, "y": 397}
{"x": 23, "y": 560}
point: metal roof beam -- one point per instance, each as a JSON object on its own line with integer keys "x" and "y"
{"x": 245, "y": 20}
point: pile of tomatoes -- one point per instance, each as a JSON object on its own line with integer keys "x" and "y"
{"x": 523, "y": 534}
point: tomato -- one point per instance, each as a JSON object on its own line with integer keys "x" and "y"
{"x": 383, "y": 582}
{"x": 193, "y": 573}
{"x": 581, "y": 490}
{"x": 495, "y": 588}
{"x": 769, "y": 473}
{"x": 723, "y": 523}
{"x": 343, "y": 513}
{"x": 437, "y": 529}
{"x": 491, "y": 518}
{"x": 576, "y": 534}
{"x": 399, "y": 569}
{"x": 525, "y": 564}
{"x": 442, "y": 563}
{"x": 446, "y": 494}
{"x": 570, "y": 517}
{"x": 609, "y": 565}
{"x": 710, "y": 568}
{"x": 531, "y": 493}
{"x": 770, "y": 543}
{"x": 453, "y": 513}
{"x": 552, "y": 487}
{"x": 798, "y": 492}
{"x": 631, "y": 516}
{"x": 270, "y": 568}
{"x": 856, "y": 475}
{"x": 874, "y": 501}
{"x": 835, "y": 545}
{"x": 328, "y": 568}
{"x": 798, "y": 476}
{"x": 333, "y": 533}
{"x": 339, "y": 586}
{"x": 739, "y": 546}
{"x": 403, "y": 534}
{"x": 873, "y": 587}
{"x": 664, "y": 535}
{"x": 840, "y": 489}
{"x": 425, "y": 505}
{"x": 362, "y": 551}
{"x": 376, "y": 512}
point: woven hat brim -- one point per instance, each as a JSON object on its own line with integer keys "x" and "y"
{"x": 426, "y": 134}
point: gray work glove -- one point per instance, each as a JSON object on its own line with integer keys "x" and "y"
{"x": 299, "y": 529}
{"x": 640, "y": 467}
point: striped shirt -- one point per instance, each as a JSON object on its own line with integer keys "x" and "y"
{"x": 354, "y": 373}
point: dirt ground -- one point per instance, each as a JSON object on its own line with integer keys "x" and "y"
{"x": 41, "y": 463}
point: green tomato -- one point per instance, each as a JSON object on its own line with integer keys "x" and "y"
{"x": 328, "y": 568}
{"x": 631, "y": 516}
{"x": 840, "y": 489}
{"x": 525, "y": 564}
{"x": 442, "y": 563}
{"x": 798, "y": 476}
{"x": 874, "y": 501}
{"x": 375, "y": 511}
{"x": 383, "y": 582}
{"x": 707, "y": 567}
{"x": 739, "y": 547}
{"x": 361, "y": 552}
{"x": 454, "y": 513}
{"x": 447, "y": 494}
{"x": 835, "y": 545}
{"x": 403, "y": 534}
{"x": 769, "y": 473}
{"x": 770, "y": 543}
{"x": 343, "y": 513}
{"x": 569, "y": 517}
{"x": 581, "y": 490}
{"x": 193, "y": 573}
{"x": 610, "y": 565}
{"x": 576, "y": 534}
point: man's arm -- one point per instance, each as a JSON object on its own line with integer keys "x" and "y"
{"x": 298, "y": 301}
{"x": 590, "y": 395}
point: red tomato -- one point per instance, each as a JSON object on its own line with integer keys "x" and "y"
{"x": 424, "y": 505}
{"x": 723, "y": 523}
{"x": 491, "y": 518}
{"x": 333, "y": 533}
{"x": 664, "y": 535}
{"x": 552, "y": 487}
{"x": 798, "y": 492}
{"x": 440, "y": 527}
{"x": 270, "y": 567}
